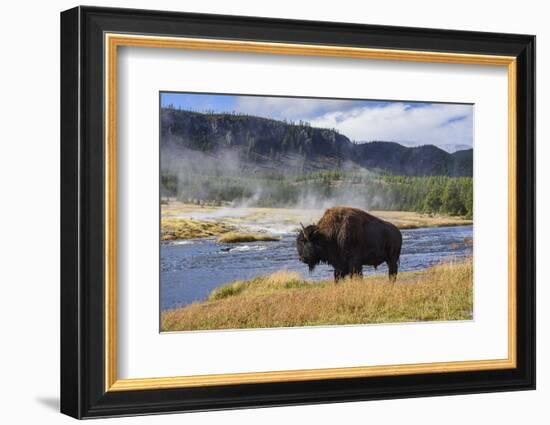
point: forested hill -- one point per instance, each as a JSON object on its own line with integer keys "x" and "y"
{"x": 267, "y": 143}
{"x": 426, "y": 160}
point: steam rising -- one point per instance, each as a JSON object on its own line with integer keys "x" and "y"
{"x": 223, "y": 177}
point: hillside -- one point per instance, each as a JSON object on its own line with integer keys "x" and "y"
{"x": 427, "y": 160}
{"x": 270, "y": 144}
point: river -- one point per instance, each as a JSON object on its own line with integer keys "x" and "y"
{"x": 191, "y": 269}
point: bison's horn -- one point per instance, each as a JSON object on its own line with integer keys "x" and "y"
{"x": 304, "y": 231}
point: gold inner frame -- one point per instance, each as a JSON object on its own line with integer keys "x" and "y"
{"x": 113, "y": 41}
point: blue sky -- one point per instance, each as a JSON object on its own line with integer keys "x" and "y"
{"x": 409, "y": 123}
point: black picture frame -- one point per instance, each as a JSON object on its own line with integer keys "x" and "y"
{"x": 83, "y": 392}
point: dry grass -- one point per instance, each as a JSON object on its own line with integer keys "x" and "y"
{"x": 284, "y": 299}
{"x": 414, "y": 220}
{"x": 173, "y": 228}
{"x": 188, "y": 221}
{"x": 402, "y": 219}
{"x": 235, "y": 237}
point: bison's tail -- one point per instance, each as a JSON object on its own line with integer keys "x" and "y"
{"x": 395, "y": 255}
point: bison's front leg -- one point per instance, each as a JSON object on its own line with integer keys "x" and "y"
{"x": 342, "y": 274}
{"x": 338, "y": 274}
{"x": 357, "y": 269}
{"x": 355, "y": 265}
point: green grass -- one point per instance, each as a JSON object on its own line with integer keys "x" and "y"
{"x": 175, "y": 228}
{"x": 266, "y": 284}
{"x": 284, "y": 299}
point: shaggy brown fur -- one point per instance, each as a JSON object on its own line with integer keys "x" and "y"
{"x": 349, "y": 238}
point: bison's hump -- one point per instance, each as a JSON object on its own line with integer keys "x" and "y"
{"x": 336, "y": 218}
{"x": 336, "y": 215}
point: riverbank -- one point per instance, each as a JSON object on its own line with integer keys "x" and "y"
{"x": 178, "y": 228}
{"x": 187, "y": 221}
{"x": 284, "y": 299}
{"x": 238, "y": 237}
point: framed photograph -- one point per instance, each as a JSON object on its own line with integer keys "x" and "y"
{"x": 261, "y": 212}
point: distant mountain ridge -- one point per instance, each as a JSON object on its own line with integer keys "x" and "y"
{"x": 425, "y": 160}
{"x": 267, "y": 143}
{"x": 454, "y": 147}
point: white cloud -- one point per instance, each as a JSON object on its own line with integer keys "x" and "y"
{"x": 289, "y": 108}
{"x": 444, "y": 125}
{"x": 438, "y": 124}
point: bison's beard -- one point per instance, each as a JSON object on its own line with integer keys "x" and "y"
{"x": 309, "y": 253}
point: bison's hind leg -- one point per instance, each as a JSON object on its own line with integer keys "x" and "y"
{"x": 392, "y": 270}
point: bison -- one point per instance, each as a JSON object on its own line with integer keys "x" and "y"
{"x": 347, "y": 239}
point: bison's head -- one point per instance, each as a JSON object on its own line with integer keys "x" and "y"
{"x": 310, "y": 246}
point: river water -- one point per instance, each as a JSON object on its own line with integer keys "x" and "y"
{"x": 190, "y": 269}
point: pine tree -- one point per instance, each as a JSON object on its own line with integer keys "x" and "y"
{"x": 451, "y": 202}
{"x": 432, "y": 203}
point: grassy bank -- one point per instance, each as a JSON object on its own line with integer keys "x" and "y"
{"x": 173, "y": 228}
{"x": 236, "y": 237}
{"x": 284, "y": 299}
{"x": 186, "y": 221}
